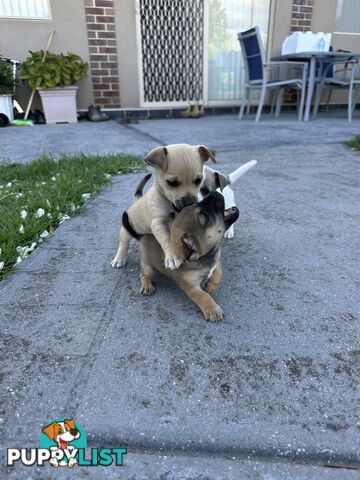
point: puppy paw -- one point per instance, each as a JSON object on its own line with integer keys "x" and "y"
{"x": 173, "y": 262}
{"x": 213, "y": 314}
{"x": 147, "y": 289}
{"x": 229, "y": 233}
{"x": 118, "y": 263}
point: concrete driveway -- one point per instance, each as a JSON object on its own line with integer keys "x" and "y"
{"x": 272, "y": 392}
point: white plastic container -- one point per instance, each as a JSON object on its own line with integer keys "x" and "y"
{"x": 6, "y": 106}
{"x": 306, "y": 42}
{"x": 59, "y": 104}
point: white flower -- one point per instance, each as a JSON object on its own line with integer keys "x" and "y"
{"x": 85, "y": 196}
{"x": 44, "y": 234}
{"x": 32, "y": 247}
{"x": 0, "y": 251}
{"x": 2, "y": 265}
{"x": 62, "y": 218}
{"x": 9, "y": 184}
{"x": 43, "y": 183}
{"x": 48, "y": 203}
{"x": 39, "y": 213}
{"x": 21, "y": 229}
{"x": 107, "y": 176}
{"x": 53, "y": 178}
{"x": 72, "y": 207}
{"x": 49, "y": 215}
{"x": 19, "y": 260}
{"x": 23, "y": 214}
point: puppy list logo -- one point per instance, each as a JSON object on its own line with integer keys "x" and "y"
{"x": 63, "y": 444}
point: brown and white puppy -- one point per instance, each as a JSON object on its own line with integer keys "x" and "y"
{"x": 62, "y": 433}
{"x": 195, "y": 234}
{"x": 178, "y": 175}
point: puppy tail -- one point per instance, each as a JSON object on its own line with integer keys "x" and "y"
{"x": 139, "y": 189}
{"x": 236, "y": 174}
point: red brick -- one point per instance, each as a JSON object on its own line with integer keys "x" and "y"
{"x": 110, "y": 79}
{"x": 110, "y": 27}
{"x": 106, "y": 35}
{"x": 93, "y": 50}
{"x": 114, "y": 71}
{"x": 104, "y": 19}
{"x": 90, "y": 19}
{"x": 89, "y": 3}
{"x": 91, "y": 34}
{"x": 96, "y": 26}
{"x": 110, "y": 11}
{"x": 94, "y": 65}
{"x": 111, "y": 43}
{"x": 107, "y": 50}
{"x": 94, "y": 11}
{"x": 95, "y": 41}
{"x": 108, "y": 65}
{"x": 104, "y": 3}
{"x": 99, "y": 58}
{"x": 101, "y": 86}
{"x": 99, "y": 72}
{"x": 109, "y": 94}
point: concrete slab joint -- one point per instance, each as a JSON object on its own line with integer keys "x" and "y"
{"x": 100, "y": 21}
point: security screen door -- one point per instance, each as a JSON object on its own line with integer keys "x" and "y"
{"x": 188, "y": 49}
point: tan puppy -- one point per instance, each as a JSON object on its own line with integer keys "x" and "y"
{"x": 178, "y": 175}
{"x": 195, "y": 234}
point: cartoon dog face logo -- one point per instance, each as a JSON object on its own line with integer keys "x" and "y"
{"x": 62, "y": 433}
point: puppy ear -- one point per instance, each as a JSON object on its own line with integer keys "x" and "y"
{"x": 157, "y": 158}
{"x": 192, "y": 245}
{"x": 70, "y": 423}
{"x": 206, "y": 153}
{"x": 221, "y": 180}
{"x": 50, "y": 430}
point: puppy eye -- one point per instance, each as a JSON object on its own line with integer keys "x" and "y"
{"x": 198, "y": 181}
{"x": 173, "y": 183}
{"x": 204, "y": 218}
{"x": 205, "y": 191}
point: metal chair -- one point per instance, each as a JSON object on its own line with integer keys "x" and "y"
{"x": 344, "y": 78}
{"x": 258, "y": 74}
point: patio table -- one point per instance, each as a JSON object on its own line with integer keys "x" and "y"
{"x": 312, "y": 58}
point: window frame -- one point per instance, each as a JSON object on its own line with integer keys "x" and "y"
{"x": 31, "y": 19}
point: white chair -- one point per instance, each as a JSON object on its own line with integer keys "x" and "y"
{"x": 344, "y": 78}
{"x": 259, "y": 74}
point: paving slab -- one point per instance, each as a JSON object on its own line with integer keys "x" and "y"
{"x": 270, "y": 392}
{"x": 21, "y": 144}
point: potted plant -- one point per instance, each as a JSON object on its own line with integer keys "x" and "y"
{"x": 54, "y": 76}
{"x": 7, "y": 84}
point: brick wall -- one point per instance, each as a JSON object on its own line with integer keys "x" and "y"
{"x": 301, "y": 15}
{"x": 100, "y": 20}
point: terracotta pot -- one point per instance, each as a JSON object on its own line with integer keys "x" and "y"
{"x": 59, "y": 104}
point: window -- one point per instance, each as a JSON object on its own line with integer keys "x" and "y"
{"x": 27, "y": 9}
{"x": 348, "y": 16}
{"x": 225, "y": 64}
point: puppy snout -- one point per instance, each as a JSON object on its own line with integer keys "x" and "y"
{"x": 185, "y": 202}
{"x": 74, "y": 432}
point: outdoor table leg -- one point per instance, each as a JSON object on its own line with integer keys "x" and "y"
{"x": 311, "y": 85}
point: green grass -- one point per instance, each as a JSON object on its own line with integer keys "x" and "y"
{"x": 58, "y": 187}
{"x": 354, "y": 143}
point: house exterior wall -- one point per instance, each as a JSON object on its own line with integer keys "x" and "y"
{"x": 103, "y": 33}
{"x": 17, "y": 37}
